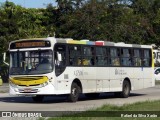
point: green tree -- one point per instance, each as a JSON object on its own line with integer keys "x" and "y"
{"x": 148, "y": 15}
{"x": 50, "y": 18}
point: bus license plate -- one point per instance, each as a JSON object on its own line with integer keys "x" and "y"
{"x": 28, "y": 90}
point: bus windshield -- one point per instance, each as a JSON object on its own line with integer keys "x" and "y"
{"x": 31, "y": 62}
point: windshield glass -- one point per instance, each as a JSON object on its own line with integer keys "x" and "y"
{"x": 31, "y": 62}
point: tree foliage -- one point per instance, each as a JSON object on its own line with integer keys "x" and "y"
{"x": 129, "y": 21}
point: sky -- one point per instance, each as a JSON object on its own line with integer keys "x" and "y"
{"x": 32, "y": 3}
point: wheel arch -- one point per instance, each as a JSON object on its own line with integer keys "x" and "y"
{"x": 127, "y": 79}
{"x": 78, "y": 82}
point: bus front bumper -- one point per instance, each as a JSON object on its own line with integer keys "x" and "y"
{"x": 49, "y": 89}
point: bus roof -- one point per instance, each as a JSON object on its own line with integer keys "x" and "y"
{"x": 84, "y": 42}
{"x": 100, "y": 43}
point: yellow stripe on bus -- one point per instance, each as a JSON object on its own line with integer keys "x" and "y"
{"x": 33, "y": 80}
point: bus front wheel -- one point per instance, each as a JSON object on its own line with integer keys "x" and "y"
{"x": 75, "y": 91}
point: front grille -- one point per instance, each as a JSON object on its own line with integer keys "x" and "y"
{"x": 29, "y": 80}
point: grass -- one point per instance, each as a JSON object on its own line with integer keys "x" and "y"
{"x": 114, "y": 112}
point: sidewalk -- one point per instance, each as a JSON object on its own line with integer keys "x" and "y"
{"x": 4, "y": 88}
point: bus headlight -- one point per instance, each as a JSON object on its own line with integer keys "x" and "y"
{"x": 44, "y": 84}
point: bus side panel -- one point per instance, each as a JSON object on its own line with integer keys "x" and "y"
{"x": 138, "y": 78}
{"x": 115, "y": 79}
{"x": 128, "y": 73}
{"x": 149, "y": 80}
{"x": 64, "y": 81}
{"x": 89, "y": 75}
{"x": 102, "y": 79}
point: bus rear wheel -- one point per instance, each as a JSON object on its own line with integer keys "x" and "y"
{"x": 125, "y": 89}
{"x": 38, "y": 98}
{"x": 75, "y": 91}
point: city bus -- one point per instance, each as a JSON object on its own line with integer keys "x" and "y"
{"x": 42, "y": 67}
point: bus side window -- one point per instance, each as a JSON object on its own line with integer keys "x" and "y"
{"x": 146, "y": 58}
{"x": 88, "y": 56}
{"x": 115, "y": 62}
{"x": 101, "y": 56}
{"x": 92, "y": 59}
{"x": 126, "y": 59}
{"x": 74, "y": 55}
{"x": 137, "y": 57}
{"x": 114, "y": 54}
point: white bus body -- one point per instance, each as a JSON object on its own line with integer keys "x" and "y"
{"x": 72, "y": 79}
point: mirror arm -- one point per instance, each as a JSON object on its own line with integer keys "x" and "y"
{"x": 4, "y": 59}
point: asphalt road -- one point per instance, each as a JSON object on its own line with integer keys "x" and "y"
{"x": 55, "y": 103}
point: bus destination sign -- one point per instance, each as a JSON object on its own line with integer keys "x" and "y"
{"x": 30, "y": 44}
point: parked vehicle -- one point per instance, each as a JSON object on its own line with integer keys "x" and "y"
{"x": 157, "y": 73}
{"x": 0, "y": 80}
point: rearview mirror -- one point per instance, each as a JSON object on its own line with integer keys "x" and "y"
{"x": 4, "y": 59}
{"x": 4, "y": 56}
{"x": 59, "y": 56}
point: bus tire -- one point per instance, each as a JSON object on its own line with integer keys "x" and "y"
{"x": 125, "y": 89}
{"x": 38, "y": 98}
{"x": 75, "y": 91}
